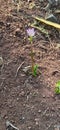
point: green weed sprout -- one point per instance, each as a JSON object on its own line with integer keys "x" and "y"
{"x": 35, "y": 69}
{"x": 57, "y": 88}
{"x": 31, "y": 33}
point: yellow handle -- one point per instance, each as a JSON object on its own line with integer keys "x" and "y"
{"x": 47, "y": 22}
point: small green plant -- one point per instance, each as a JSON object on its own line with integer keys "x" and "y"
{"x": 57, "y": 88}
{"x": 31, "y": 33}
{"x": 35, "y": 69}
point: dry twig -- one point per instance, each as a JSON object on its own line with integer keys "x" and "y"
{"x": 19, "y": 67}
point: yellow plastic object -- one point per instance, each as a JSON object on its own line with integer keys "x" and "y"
{"x": 47, "y": 22}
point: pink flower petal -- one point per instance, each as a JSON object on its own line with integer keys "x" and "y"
{"x": 31, "y": 32}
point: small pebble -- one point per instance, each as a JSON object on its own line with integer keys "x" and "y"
{"x": 39, "y": 111}
{"x": 1, "y": 61}
{"x": 22, "y": 93}
{"x": 37, "y": 123}
{"x": 29, "y": 127}
{"x": 17, "y": 99}
{"x": 44, "y": 96}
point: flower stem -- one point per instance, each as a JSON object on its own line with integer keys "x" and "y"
{"x": 32, "y": 58}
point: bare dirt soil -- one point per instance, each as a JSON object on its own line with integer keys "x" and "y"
{"x": 28, "y": 102}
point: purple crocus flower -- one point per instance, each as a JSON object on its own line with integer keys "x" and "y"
{"x": 30, "y": 32}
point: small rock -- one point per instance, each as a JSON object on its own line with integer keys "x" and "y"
{"x": 17, "y": 99}
{"x": 53, "y": 109}
{"x": 36, "y": 119}
{"x": 8, "y": 25}
{"x": 18, "y": 86}
{"x": 22, "y": 119}
{"x": 39, "y": 111}
{"x": 22, "y": 93}
{"x": 44, "y": 96}
{"x": 59, "y": 107}
{"x": 10, "y": 106}
{"x": 37, "y": 123}
{"x": 47, "y": 115}
{"x": 26, "y": 69}
{"x": 27, "y": 97}
{"x": 6, "y": 117}
{"x": 29, "y": 127}
{"x": 1, "y": 61}
{"x": 29, "y": 0}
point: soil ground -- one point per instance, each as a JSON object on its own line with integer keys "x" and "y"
{"x": 28, "y": 102}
